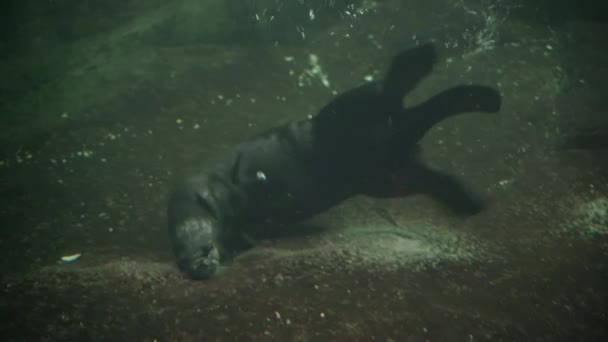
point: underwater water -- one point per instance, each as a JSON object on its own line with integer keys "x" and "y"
{"x": 105, "y": 105}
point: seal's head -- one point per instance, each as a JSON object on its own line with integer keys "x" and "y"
{"x": 196, "y": 246}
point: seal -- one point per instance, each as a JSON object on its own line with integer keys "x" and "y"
{"x": 363, "y": 142}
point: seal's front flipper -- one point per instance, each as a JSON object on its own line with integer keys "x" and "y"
{"x": 444, "y": 189}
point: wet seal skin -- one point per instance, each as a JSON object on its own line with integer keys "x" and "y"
{"x": 363, "y": 142}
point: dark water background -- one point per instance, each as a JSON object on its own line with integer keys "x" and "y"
{"x": 104, "y": 104}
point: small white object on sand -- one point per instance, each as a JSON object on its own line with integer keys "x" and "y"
{"x": 71, "y": 257}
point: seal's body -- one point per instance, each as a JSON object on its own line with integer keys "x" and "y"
{"x": 362, "y": 142}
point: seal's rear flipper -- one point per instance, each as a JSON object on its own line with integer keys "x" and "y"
{"x": 444, "y": 189}
{"x": 407, "y": 69}
{"x": 414, "y": 122}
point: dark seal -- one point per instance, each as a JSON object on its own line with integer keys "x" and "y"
{"x": 363, "y": 142}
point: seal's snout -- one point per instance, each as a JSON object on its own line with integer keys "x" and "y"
{"x": 196, "y": 247}
{"x": 203, "y": 264}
